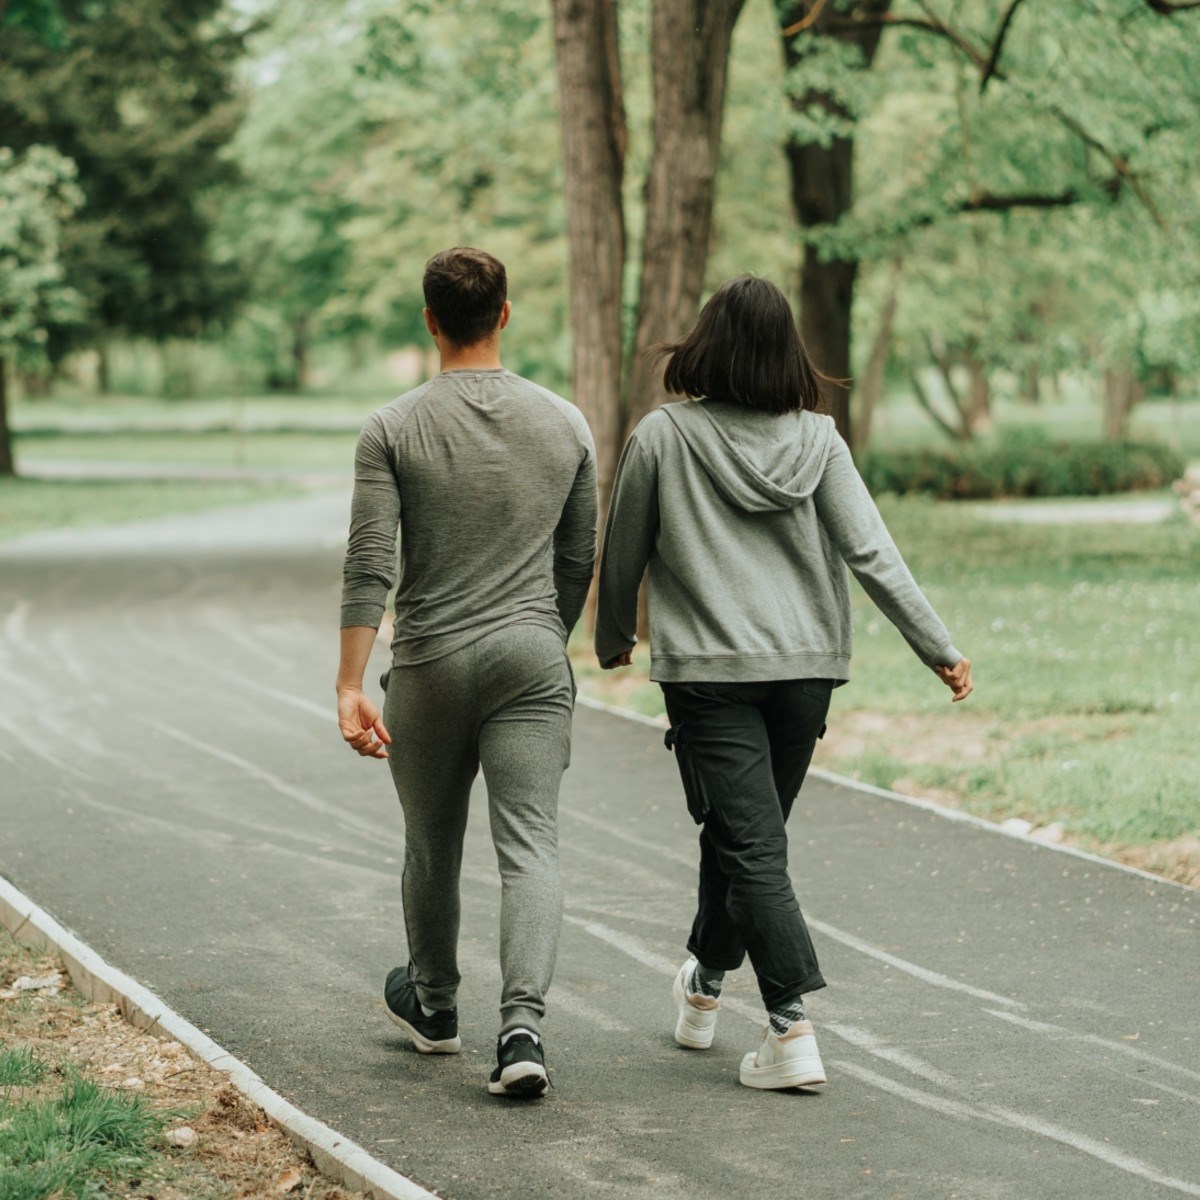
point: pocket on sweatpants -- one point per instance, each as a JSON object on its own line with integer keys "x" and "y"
{"x": 694, "y": 790}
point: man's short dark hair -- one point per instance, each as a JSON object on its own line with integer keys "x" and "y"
{"x": 465, "y": 289}
{"x": 745, "y": 348}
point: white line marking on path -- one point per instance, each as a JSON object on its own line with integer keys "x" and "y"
{"x": 909, "y": 968}
{"x": 14, "y": 624}
{"x": 307, "y": 799}
{"x": 941, "y": 810}
{"x": 872, "y": 1045}
{"x": 1062, "y": 1034}
{"x": 61, "y": 643}
{"x": 38, "y": 750}
{"x": 830, "y": 931}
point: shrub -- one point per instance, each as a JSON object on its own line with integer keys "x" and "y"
{"x": 1023, "y": 463}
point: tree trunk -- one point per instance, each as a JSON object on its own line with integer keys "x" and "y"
{"x": 300, "y": 352}
{"x": 103, "y": 370}
{"x": 689, "y": 54}
{"x": 8, "y": 465}
{"x": 822, "y": 193}
{"x": 1031, "y": 389}
{"x": 1121, "y": 395}
{"x": 592, "y": 119}
{"x": 979, "y": 404}
{"x": 870, "y": 387}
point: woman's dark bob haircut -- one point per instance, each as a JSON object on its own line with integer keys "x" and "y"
{"x": 745, "y": 348}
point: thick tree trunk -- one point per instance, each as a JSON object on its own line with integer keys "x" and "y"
{"x": 822, "y": 193}
{"x": 8, "y": 465}
{"x": 592, "y": 119}
{"x": 1121, "y": 395}
{"x": 689, "y": 54}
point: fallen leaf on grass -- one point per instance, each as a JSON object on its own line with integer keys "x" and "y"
{"x": 289, "y": 1180}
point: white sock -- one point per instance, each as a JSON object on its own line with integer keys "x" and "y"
{"x": 519, "y": 1029}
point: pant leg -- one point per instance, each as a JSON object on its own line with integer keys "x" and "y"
{"x": 524, "y": 747}
{"x": 432, "y": 717}
{"x": 794, "y": 712}
{"x": 724, "y": 753}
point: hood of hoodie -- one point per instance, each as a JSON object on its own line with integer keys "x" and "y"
{"x": 758, "y": 461}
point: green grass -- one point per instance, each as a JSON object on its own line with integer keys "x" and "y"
{"x": 78, "y": 1142}
{"x": 1084, "y": 640}
{"x": 332, "y": 451}
{"x": 20, "y": 1067}
{"x": 36, "y": 505}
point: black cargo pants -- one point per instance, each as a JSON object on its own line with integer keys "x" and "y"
{"x": 743, "y": 750}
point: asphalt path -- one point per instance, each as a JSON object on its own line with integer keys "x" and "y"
{"x": 1003, "y": 1020}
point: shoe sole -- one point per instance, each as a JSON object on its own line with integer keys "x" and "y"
{"x": 420, "y": 1041}
{"x": 800, "y": 1072}
{"x": 526, "y": 1081}
{"x": 687, "y": 1035}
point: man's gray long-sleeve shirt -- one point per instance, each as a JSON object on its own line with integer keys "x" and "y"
{"x": 491, "y": 481}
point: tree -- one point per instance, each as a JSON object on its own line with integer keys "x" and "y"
{"x": 690, "y": 43}
{"x": 1009, "y": 109}
{"x": 38, "y": 194}
{"x": 821, "y": 50}
{"x": 140, "y": 96}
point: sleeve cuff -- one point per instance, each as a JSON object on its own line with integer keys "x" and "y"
{"x": 362, "y": 614}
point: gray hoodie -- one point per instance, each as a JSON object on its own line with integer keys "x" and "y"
{"x": 748, "y": 521}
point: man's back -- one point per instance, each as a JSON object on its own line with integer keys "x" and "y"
{"x": 493, "y": 482}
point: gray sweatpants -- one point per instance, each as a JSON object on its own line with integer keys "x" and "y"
{"x": 504, "y": 703}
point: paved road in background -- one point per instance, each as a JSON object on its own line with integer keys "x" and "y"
{"x": 1003, "y": 1020}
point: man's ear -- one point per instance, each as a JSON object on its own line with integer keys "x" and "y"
{"x": 505, "y": 313}
{"x": 430, "y": 322}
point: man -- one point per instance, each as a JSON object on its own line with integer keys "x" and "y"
{"x": 492, "y": 483}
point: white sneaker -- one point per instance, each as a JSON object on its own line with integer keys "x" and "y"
{"x": 697, "y": 1014}
{"x": 785, "y": 1062}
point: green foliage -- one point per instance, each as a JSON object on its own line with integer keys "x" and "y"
{"x": 38, "y": 194}
{"x": 20, "y": 1067}
{"x": 41, "y": 18}
{"x": 1023, "y": 463}
{"x": 140, "y": 97}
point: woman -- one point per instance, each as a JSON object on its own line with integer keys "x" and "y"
{"x": 747, "y": 509}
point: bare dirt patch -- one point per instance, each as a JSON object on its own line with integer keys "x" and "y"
{"x": 911, "y": 738}
{"x": 216, "y": 1145}
{"x": 1177, "y": 860}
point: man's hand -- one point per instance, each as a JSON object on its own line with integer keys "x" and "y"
{"x": 361, "y": 722}
{"x": 624, "y": 659}
{"x": 957, "y": 678}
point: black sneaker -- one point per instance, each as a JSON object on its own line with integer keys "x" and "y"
{"x": 435, "y": 1034}
{"x": 521, "y": 1071}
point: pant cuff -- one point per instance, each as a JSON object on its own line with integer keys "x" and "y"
{"x": 783, "y": 996}
{"x": 520, "y": 1017}
{"x": 714, "y": 962}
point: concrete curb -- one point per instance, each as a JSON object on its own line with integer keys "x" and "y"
{"x": 942, "y": 810}
{"x": 333, "y": 1154}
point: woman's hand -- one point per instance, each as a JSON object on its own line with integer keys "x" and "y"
{"x": 624, "y": 659}
{"x": 360, "y": 722}
{"x": 957, "y": 678}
